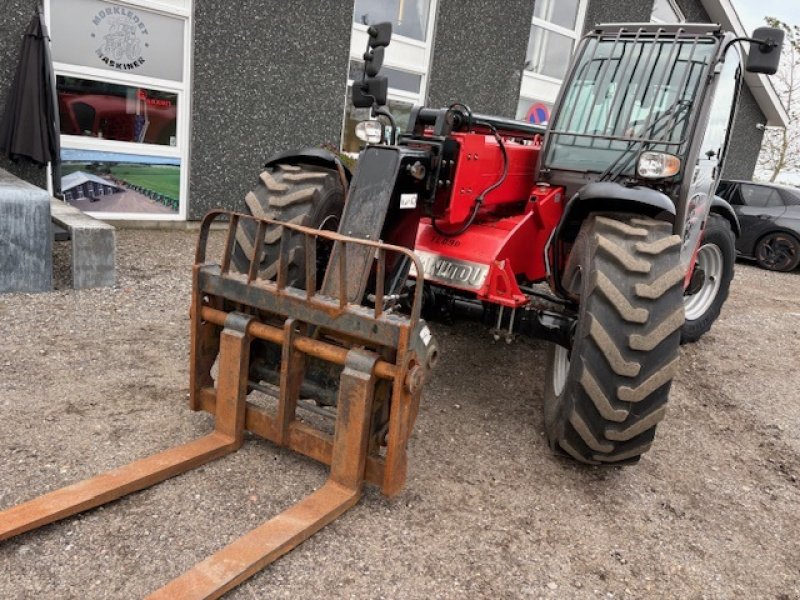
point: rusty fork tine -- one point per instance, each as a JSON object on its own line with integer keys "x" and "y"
{"x": 380, "y": 275}
{"x": 311, "y": 265}
{"x": 258, "y": 250}
{"x": 233, "y": 224}
{"x": 342, "y": 273}
{"x": 283, "y": 259}
{"x": 238, "y": 561}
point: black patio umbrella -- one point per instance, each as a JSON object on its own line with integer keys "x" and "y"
{"x": 30, "y": 126}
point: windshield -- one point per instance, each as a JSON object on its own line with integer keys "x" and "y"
{"x": 625, "y": 95}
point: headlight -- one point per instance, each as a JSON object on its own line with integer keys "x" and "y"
{"x": 370, "y": 131}
{"x": 656, "y": 165}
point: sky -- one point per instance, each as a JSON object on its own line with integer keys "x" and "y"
{"x": 752, "y": 12}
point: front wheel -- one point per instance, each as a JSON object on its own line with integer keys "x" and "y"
{"x": 714, "y": 268}
{"x": 605, "y": 395}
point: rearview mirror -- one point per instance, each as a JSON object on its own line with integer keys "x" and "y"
{"x": 380, "y": 35}
{"x": 369, "y": 92}
{"x": 765, "y": 53}
{"x": 373, "y": 61}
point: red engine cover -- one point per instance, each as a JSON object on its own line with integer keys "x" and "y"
{"x": 479, "y": 165}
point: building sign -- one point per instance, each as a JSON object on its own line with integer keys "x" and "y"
{"x": 117, "y": 37}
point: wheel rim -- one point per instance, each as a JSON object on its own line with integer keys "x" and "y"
{"x": 776, "y": 252}
{"x": 560, "y": 369}
{"x": 710, "y": 260}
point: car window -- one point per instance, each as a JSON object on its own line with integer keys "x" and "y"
{"x": 724, "y": 189}
{"x": 791, "y": 197}
{"x": 759, "y": 196}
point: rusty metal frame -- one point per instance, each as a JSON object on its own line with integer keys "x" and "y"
{"x": 230, "y": 309}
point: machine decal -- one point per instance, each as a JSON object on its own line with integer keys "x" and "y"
{"x": 452, "y": 271}
{"x": 408, "y": 201}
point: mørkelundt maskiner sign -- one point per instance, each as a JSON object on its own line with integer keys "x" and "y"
{"x": 105, "y": 35}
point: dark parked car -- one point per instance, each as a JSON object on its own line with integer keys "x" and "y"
{"x": 770, "y": 218}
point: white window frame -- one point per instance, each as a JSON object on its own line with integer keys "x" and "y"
{"x": 171, "y": 8}
{"x": 675, "y": 9}
{"x": 543, "y": 88}
{"x": 403, "y": 53}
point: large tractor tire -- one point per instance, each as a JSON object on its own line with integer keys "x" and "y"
{"x": 606, "y": 394}
{"x": 716, "y": 258}
{"x": 303, "y": 195}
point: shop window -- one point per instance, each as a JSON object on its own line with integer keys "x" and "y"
{"x": 555, "y": 30}
{"x": 563, "y": 13}
{"x": 666, "y": 11}
{"x": 117, "y": 112}
{"x": 409, "y": 18}
{"x": 398, "y": 79}
{"x": 548, "y": 52}
{"x": 406, "y": 62}
{"x": 122, "y": 80}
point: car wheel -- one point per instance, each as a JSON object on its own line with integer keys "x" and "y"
{"x": 778, "y": 251}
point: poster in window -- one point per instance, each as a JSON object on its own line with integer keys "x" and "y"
{"x": 113, "y": 182}
{"x": 122, "y": 113}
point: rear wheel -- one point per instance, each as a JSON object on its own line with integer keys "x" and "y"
{"x": 715, "y": 262}
{"x": 778, "y": 251}
{"x": 605, "y": 395}
{"x": 302, "y": 195}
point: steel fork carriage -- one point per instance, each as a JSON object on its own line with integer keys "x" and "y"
{"x": 384, "y": 358}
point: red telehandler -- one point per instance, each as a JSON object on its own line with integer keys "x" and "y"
{"x": 600, "y": 234}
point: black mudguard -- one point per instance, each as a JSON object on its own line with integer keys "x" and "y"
{"x": 309, "y": 156}
{"x": 601, "y": 196}
{"x": 723, "y": 208}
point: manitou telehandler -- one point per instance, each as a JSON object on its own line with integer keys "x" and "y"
{"x": 600, "y": 234}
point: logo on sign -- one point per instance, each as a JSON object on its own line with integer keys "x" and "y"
{"x": 121, "y": 32}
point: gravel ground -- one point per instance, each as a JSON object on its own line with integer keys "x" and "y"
{"x": 93, "y": 379}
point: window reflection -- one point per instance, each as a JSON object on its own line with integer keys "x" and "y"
{"x": 548, "y": 52}
{"x": 561, "y": 12}
{"x": 117, "y": 112}
{"x": 408, "y": 17}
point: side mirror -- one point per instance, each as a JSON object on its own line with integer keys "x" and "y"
{"x": 373, "y": 61}
{"x": 369, "y": 92}
{"x": 765, "y": 51}
{"x": 380, "y": 35}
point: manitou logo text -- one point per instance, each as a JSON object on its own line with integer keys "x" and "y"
{"x": 452, "y": 271}
{"x": 120, "y": 32}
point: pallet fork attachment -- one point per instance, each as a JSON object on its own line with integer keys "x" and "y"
{"x": 230, "y": 310}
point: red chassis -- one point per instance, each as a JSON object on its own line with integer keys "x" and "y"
{"x": 509, "y": 235}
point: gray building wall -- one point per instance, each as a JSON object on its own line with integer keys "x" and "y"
{"x": 479, "y": 51}
{"x": 269, "y": 75}
{"x": 15, "y": 17}
{"x": 617, "y": 11}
